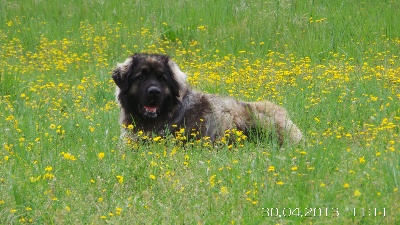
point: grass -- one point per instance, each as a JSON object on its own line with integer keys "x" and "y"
{"x": 333, "y": 64}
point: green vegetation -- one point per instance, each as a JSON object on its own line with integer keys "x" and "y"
{"x": 333, "y": 64}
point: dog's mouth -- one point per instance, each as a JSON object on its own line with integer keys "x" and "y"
{"x": 149, "y": 111}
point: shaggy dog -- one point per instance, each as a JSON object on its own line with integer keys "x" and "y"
{"x": 155, "y": 98}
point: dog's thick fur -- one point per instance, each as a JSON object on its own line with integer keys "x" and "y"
{"x": 155, "y": 98}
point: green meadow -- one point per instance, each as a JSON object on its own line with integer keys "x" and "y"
{"x": 333, "y": 64}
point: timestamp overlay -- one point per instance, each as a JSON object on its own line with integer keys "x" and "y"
{"x": 301, "y": 212}
{"x": 356, "y": 212}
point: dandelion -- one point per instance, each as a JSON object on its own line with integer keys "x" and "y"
{"x": 101, "y": 155}
{"x": 120, "y": 179}
{"x": 212, "y": 180}
{"x": 155, "y": 139}
{"x": 280, "y": 183}
{"x": 361, "y": 160}
{"x": 47, "y": 176}
{"x": 224, "y": 190}
{"x": 68, "y": 156}
{"x": 91, "y": 129}
{"x": 346, "y": 185}
{"x": 152, "y": 177}
{"x": 118, "y": 210}
{"x": 21, "y": 139}
{"x": 10, "y": 118}
{"x": 271, "y": 169}
{"x": 357, "y": 193}
{"x": 8, "y": 147}
{"x": 34, "y": 179}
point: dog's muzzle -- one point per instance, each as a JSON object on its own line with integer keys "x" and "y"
{"x": 150, "y": 108}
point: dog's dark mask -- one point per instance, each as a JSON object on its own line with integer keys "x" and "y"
{"x": 147, "y": 85}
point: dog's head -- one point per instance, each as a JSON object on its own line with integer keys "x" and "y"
{"x": 147, "y": 84}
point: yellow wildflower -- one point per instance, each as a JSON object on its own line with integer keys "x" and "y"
{"x": 101, "y": 155}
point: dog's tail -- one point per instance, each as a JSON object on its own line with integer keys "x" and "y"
{"x": 273, "y": 117}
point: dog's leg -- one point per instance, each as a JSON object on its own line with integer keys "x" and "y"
{"x": 274, "y": 117}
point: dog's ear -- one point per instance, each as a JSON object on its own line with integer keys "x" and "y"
{"x": 121, "y": 74}
{"x": 179, "y": 85}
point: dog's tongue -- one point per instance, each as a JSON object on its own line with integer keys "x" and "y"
{"x": 150, "y": 109}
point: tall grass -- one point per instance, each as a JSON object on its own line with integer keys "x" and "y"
{"x": 307, "y": 28}
{"x": 333, "y": 64}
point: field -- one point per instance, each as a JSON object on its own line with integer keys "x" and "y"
{"x": 333, "y": 64}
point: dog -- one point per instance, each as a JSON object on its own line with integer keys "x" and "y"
{"x": 155, "y": 98}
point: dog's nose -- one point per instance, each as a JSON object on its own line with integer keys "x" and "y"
{"x": 153, "y": 91}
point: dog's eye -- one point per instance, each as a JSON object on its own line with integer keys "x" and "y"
{"x": 140, "y": 77}
{"x": 163, "y": 78}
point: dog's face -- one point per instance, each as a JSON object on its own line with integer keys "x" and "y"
{"x": 148, "y": 85}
